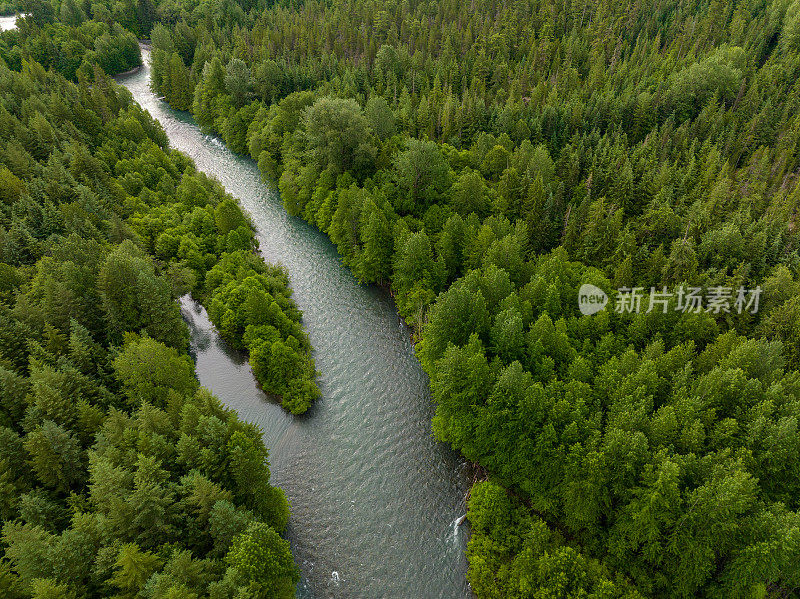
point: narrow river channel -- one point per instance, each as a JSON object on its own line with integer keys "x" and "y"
{"x": 374, "y": 497}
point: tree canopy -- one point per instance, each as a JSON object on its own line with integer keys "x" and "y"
{"x": 486, "y": 160}
{"x": 119, "y": 475}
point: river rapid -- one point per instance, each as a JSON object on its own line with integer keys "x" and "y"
{"x": 7, "y": 23}
{"x": 374, "y": 497}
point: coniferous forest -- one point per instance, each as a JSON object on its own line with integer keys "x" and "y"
{"x": 483, "y": 160}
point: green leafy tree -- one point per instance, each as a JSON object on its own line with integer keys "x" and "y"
{"x": 380, "y": 117}
{"x": 238, "y": 81}
{"x": 263, "y": 558}
{"x": 339, "y": 136}
{"x": 179, "y": 91}
{"x": 423, "y": 173}
{"x": 135, "y": 299}
{"x": 55, "y": 456}
{"x": 469, "y": 194}
{"x": 149, "y": 371}
{"x": 132, "y": 569}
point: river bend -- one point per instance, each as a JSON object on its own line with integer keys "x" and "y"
{"x": 374, "y": 498}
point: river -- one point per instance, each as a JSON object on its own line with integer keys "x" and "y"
{"x": 374, "y": 497}
{"x": 7, "y": 23}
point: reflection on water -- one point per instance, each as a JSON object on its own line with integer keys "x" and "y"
{"x": 374, "y": 497}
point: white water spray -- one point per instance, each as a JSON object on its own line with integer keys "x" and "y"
{"x": 456, "y": 525}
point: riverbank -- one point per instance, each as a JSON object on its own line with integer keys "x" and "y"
{"x": 128, "y": 72}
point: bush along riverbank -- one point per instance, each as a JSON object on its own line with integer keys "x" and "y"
{"x": 119, "y": 475}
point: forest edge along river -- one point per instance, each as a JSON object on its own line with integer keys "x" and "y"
{"x": 375, "y": 500}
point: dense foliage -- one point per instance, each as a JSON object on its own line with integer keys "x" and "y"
{"x": 119, "y": 475}
{"x": 486, "y": 159}
{"x": 250, "y": 305}
{"x": 71, "y": 49}
{"x": 8, "y": 9}
{"x": 207, "y": 246}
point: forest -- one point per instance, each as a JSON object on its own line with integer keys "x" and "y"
{"x": 484, "y": 160}
{"x": 119, "y": 475}
{"x": 487, "y": 159}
